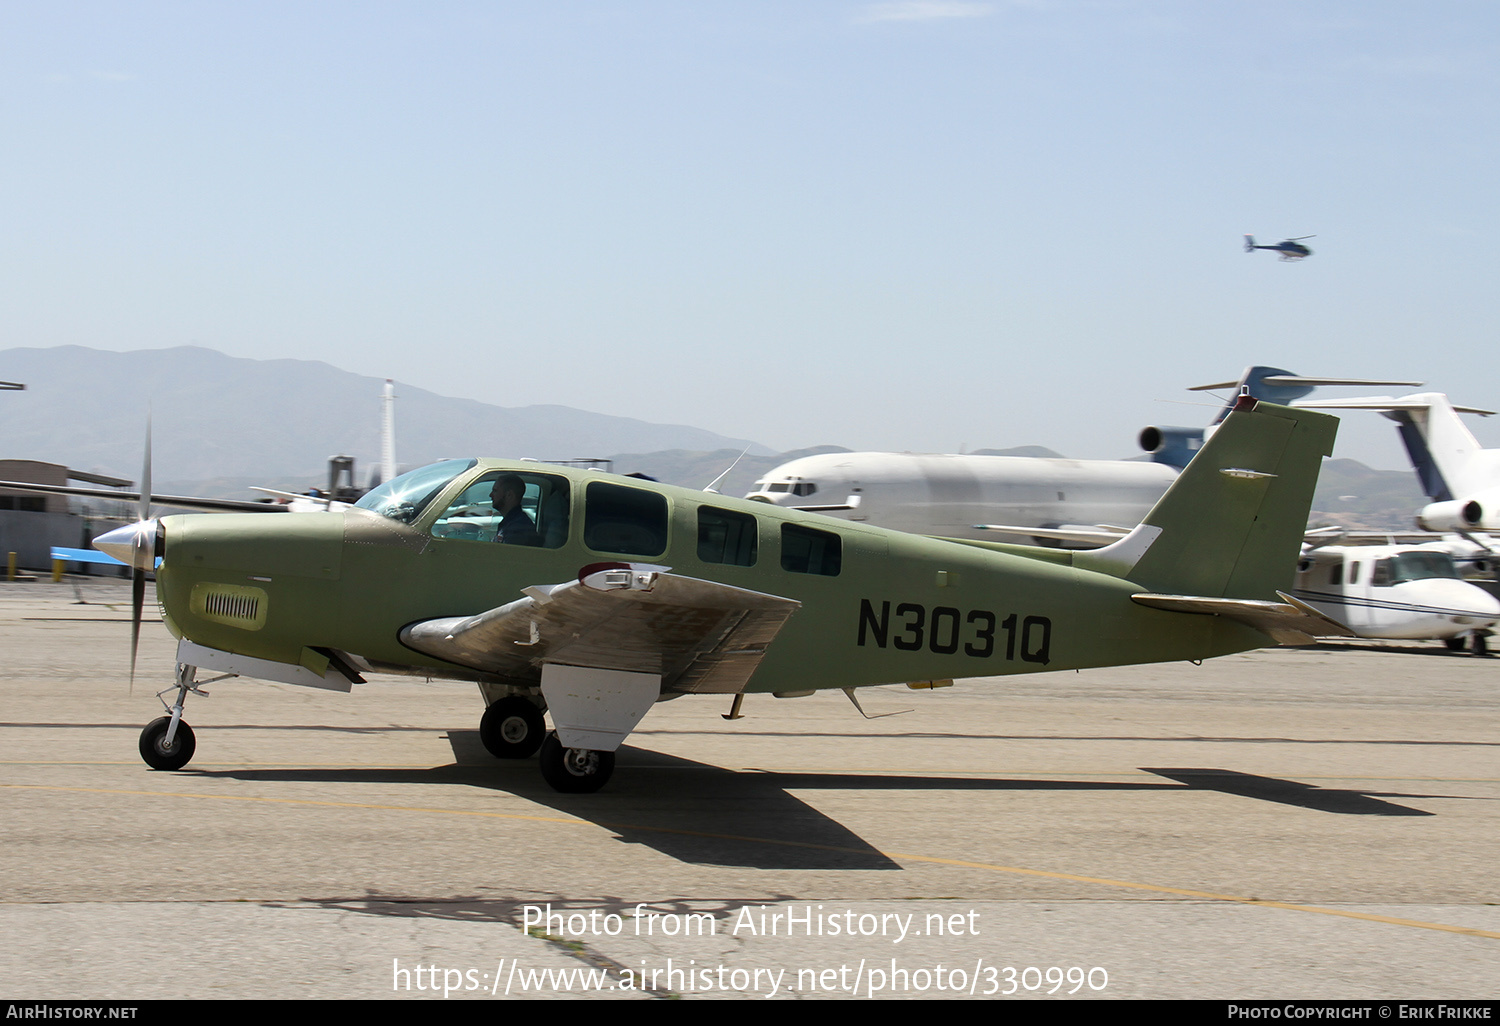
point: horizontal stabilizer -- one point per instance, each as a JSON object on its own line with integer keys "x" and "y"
{"x": 1289, "y": 622}
{"x": 1095, "y": 536}
{"x": 1382, "y": 403}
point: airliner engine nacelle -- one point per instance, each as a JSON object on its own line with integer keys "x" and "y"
{"x": 1453, "y": 515}
{"x": 1173, "y": 446}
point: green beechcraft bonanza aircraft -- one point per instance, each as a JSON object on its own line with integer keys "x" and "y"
{"x": 592, "y": 597}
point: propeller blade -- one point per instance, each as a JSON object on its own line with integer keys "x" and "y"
{"x": 137, "y": 602}
{"x": 144, "y": 553}
{"x": 145, "y": 499}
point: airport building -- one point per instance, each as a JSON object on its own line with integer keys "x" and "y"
{"x": 31, "y": 523}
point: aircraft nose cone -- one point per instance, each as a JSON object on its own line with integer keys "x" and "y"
{"x": 1456, "y": 601}
{"x": 133, "y": 544}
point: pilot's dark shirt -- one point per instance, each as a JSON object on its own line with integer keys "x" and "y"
{"x": 516, "y": 528}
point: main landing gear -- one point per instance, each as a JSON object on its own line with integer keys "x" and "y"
{"x": 1477, "y": 643}
{"x": 575, "y": 770}
{"x": 512, "y": 728}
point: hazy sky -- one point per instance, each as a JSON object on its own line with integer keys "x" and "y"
{"x": 909, "y": 225}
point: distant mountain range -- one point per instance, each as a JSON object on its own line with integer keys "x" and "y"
{"x": 222, "y": 424}
{"x": 215, "y": 415}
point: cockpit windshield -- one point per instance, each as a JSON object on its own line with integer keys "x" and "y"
{"x": 1420, "y": 566}
{"x": 404, "y": 498}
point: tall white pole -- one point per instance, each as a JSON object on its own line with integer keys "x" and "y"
{"x": 388, "y": 432}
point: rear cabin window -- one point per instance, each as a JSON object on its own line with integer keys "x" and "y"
{"x": 624, "y": 520}
{"x": 808, "y": 551}
{"x": 726, "y": 537}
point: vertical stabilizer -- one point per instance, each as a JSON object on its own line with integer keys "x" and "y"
{"x": 1449, "y": 461}
{"x": 1441, "y": 446}
{"x": 1231, "y": 525}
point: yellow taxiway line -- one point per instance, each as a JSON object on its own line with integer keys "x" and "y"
{"x": 893, "y": 855}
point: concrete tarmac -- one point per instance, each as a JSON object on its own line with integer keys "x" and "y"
{"x": 1290, "y": 823}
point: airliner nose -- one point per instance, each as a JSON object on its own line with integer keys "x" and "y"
{"x": 134, "y": 544}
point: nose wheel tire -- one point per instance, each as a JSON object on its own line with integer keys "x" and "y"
{"x": 161, "y": 756}
{"x": 512, "y": 728}
{"x": 575, "y": 770}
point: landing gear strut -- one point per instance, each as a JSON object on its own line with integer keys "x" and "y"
{"x": 167, "y": 743}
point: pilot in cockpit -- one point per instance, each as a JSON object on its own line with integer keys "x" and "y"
{"x": 516, "y": 528}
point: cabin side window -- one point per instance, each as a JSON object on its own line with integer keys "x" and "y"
{"x": 808, "y": 551}
{"x": 1381, "y": 578}
{"x": 630, "y": 521}
{"x": 725, "y": 536}
{"x": 1336, "y": 574}
{"x": 509, "y": 508}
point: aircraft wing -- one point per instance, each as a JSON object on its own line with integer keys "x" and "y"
{"x": 179, "y": 501}
{"x": 698, "y": 636}
{"x": 1289, "y": 622}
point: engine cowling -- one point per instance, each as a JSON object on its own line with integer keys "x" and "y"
{"x": 1453, "y": 515}
{"x": 1173, "y": 446}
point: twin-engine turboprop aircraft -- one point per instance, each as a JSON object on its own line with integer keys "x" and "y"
{"x": 590, "y": 597}
{"x": 1411, "y": 592}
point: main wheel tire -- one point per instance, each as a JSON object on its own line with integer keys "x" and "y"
{"x": 1480, "y": 645}
{"x": 161, "y": 756}
{"x": 1456, "y": 644}
{"x": 575, "y": 770}
{"x": 512, "y": 728}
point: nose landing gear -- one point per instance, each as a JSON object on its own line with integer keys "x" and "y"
{"x": 168, "y": 743}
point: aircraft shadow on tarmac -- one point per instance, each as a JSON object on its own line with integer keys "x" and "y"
{"x": 704, "y": 814}
{"x": 1292, "y": 792}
